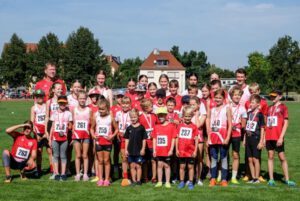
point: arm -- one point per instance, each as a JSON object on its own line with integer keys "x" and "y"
{"x": 176, "y": 146}
{"x": 143, "y": 148}
{"x": 172, "y": 147}
{"x": 154, "y": 147}
{"x": 116, "y": 129}
{"x": 283, "y": 132}
{"x": 47, "y": 117}
{"x": 32, "y": 117}
{"x": 110, "y": 97}
{"x": 229, "y": 126}
{"x": 196, "y": 147}
{"x": 12, "y": 130}
{"x": 126, "y": 147}
{"x": 51, "y": 134}
{"x": 93, "y": 125}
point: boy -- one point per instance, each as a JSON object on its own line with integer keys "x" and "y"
{"x": 277, "y": 123}
{"x": 160, "y": 97}
{"x": 193, "y": 90}
{"x": 172, "y": 116}
{"x": 173, "y": 88}
{"x": 254, "y": 138}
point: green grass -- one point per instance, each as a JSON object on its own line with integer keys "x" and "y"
{"x": 43, "y": 189}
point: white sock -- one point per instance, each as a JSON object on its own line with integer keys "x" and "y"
{"x": 219, "y": 175}
{"x": 234, "y": 173}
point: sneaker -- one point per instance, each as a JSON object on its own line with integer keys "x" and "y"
{"x": 168, "y": 185}
{"x": 106, "y": 183}
{"x": 52, "y": 177}
{"x": 219, "y": 178}
{"x": 245, "y": 178}
{"x": 154, "y": 181}
{"x": 158, "y": 185}
{"x": 77, "y": 177}
{"x": 63, "y": 177}
{"x": 174, "y": 181}
{"x": 125, "y": 182}
{"x": 8, "y": 179}
{"x": 133, "y": 184}
{"x": 212, "y": 182}
{"x": 68, "y": 172}
{"x": 100, "y": 183}
{"x": 261, "y": 179}
{"x": 181, "y": 185}
{"x": 224, "y": 183}
{"x": 200, "y": 183}
{"x": 23, "y": 177}
{"x": 234, "y": 181}
{"x": 253, "y": 181}
{"x": 271, "y": 182}
{"x": 138, "y": 183}
{"x": 95, "y": 179}
{"x": 85, "y": 177}
{"x": 57, "y": 177}
{"x": 290, "y": 183}
{"x": 191, "y": 186}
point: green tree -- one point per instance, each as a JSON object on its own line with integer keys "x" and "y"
{"x": 13, "y": 63}
{"x": 284, "y": 58}
{"x": 83, "y": 58}
{"x": 128, "y": 69}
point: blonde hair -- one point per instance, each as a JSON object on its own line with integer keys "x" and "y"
{"x": 254, "y": 86}
{"x": 125, "y": 100}
{"x": 234, "y": 89}
{"x": 104, "y": 102}
{"x": 134, "y": 111}
{"x": 80, "y": 92}
{"x": 146, "y": 103}
{"x": 187, "y": 110}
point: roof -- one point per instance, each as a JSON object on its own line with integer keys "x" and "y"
{"x": 113, "y": 61}
{"x": 150, "y": 62}
{"x": 30, "y": 47}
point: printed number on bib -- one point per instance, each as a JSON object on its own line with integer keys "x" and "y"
{"x": 22, "y": 153}
{"x": 40, "y": 118}
{"x": 81, "y": 125}
{"x": 216, "y": 125}
{"x": 54, "y": 107}
{"x": 185, "y": 133}
{"x": 121, "y": 129}
{"x": 103, "y": 130}
{"x": 251, "y": 126}
{"x": 272, "y": 121}
{"x": 60, "y": 127}
{"x": 162, "y": 141}
{"x": 149, "y": 131}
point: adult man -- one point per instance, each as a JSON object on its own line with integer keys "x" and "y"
{"x": 49, "y": 78}
{"x": 241, "y": 77}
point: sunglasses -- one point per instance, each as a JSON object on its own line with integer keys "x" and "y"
{"x": 27, "y": 128}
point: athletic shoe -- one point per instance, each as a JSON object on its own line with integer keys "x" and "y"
{"x": 57, "y": 177}
{"x": 100, "y": 183}
{"x": 181, "y": 185}
{"x": 106, "y": 183}
{"x": 85, "y": 177}
{"x": 125, "y": 182}
{"x": 200, "y": 183}
{"x": 234, "y": 181}
{"x": 95, "y": 179}
{"x": 133, "y": 184}
{"x": 224, "y": 183}
{"x": 245, "y": 178}
{"x": 52, "y": 177}
{"x": 261, "y": 179}
{"x": 138, "y": 183}
{"x": 290, "y": 183}
{"x": 68, "y": 172}
{"x": 8, "y": 179}
{"x": 191, "y": 186}
{"x": 253, "y": 181}
{"x": 63, "y": 177}
{"x": 187, "y": 182}
{"x": 158, "y": 185}
{"x": 154, "y": 181}
{"x": 23, "y": 177}
{"x": 219, "y": 179}
{"x": 174, "y": 181}
{"x": 212, "y": 182}
{"x": 168, "y": 185}
{"x": 271, "y": 182}
{"x": 77, "y": 177}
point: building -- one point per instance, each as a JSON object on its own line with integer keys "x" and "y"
{"x": 163, "y": 62}
{"x": 114, "y": 63}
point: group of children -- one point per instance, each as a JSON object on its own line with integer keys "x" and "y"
{"x": 157, "y": 133}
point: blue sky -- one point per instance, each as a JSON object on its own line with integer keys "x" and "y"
{"x": 226, "y": 30}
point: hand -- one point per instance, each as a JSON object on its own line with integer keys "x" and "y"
{"x": 260, "y": 146}
{"x": 126, "y": 153}
{"x": 170, "y": 153}
{"x": 244, "y": 143}
{"x": 207, "y": 142}
{"x": 225, "y": 142}
{"x": 279, "y": 142}
{"x": 177, "y": 153}
{"x": 194, "y": 154}
{"x": 154, "y": 154}
{"x": 94, "y": 137}
{"x": 50, "y": 144}
{"x": 27, "y": 125}
{"x": 142, "y": 152}
{"x": 110, "y": 137}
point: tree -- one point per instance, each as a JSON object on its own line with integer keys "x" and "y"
{"x": 13, "y": 63}
{"x": 83, "y": 58}
{"x": 284, "y": 58}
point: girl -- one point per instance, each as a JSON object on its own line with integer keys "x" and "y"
{"x": 135, "y": 144}
{"x": 140, "y": 91}
{"x": 72, "y": 98}
{"x": 192, "y": 80}
{"x": 163, "y": 82}
{"x": 161, "y": 97}
{"x": 219, "y": 132}
{"x": 131, "y": 93}
{"x": 38, "y": 115}
{"x": 151, "y": 93}
{"x": 199, "y": 120}
{"x": 143, "y": 80}
{"x": 62, "y": 123}
{"x": 101, "y": 130}
{"x": 81, "y": 136}
{"x": 173, "y": 87}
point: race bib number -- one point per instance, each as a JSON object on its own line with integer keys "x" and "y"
{"x": 272, "y": 121}
{"x": 54, "y": 106}
{"x": 40, "y": 118}
{"x": 251, "y": 126}
{"x": 81, "y": 125}
{"x": 149, "y": 131}
{"x": 103, "y": 130}
{"x": 22, "y": 153}
{"x": 216, "y": 125}
{"x": 162, "y": 141}
{"x": 185, "y": 133}
{"x": 122, "y": 128}
{"x": 60, "y": 128}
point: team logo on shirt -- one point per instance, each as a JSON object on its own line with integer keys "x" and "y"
{"x": 29, "y": 143}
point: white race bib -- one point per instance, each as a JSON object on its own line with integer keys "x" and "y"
{"x": 216, "y": 125}
{"x": 121, "y": 129}
{"x": 149, "y": 131}
{"x": 185, "y": 133}
{"x": 54, "y": 106}
{"x": 272, "y": 121}
{"x": 162, "y": 141}
{"x": 40, "y": 118}
{"x": 251, "y": 126}
{"x": 103, "y": 130}
{"x": 81, "y": 125}
{"x": 22, "y": 153}
{"x": 60, "y": 127}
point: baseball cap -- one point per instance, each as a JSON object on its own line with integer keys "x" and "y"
{"x": 160, "y": 93}
{"x": 120, "y": 92}
{"x": 62, "y": 99}
{"x": 39, "y": 92}
{"x": 275, "y": 93}
{"x": 161, "y": 110}
{"x": 140, "y": 87}
{"x": 185, "y": 99}
{"x": 94, "y": 92}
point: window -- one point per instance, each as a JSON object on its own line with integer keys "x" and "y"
{"x": 162, "y": 62}
{"x": 150, "y": 74}
{"x": 173, "y": 75}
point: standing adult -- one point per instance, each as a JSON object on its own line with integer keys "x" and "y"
{"x": 241, "y": 77}
{"x": 49, "y": 78}
{"x": 192, "y": 80}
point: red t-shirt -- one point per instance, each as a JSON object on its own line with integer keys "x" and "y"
{"x": 115, "y": 109}
{"x": 164, "y": 136}
{"x": 137, "y": 105}
{"x": 275, "y": 121}
{"x": 172, "y": 116}
{"x": 45, "y": 85}
{"x": 133, "y": 96}
{"x": 178, "y": 101}
{"x": 186, "y": 134}
{"x": 94, "y": 108}
{"x": 22, "y": 147}
{"x": 148, "y": 121}
{"x": 263, "y": 106}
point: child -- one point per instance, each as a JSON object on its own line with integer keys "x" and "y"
{"x": 131, "y": 92}
{"x": 38, "y": 115}
{"x": 117, "y": 107}
{"x": 81, "y": 135}
{"x": 193, "y": 90}
{"x": 123, "y": 121}
{"x": 148, "y": 120}
{"x": 163, "y": 135}
{"x": 254, "y": 137}
{"x": 239, "y": 116}
{"x": 151, "y": 93}
{"x": 199, "y": 120}
{"x": 62, "y": 123}
{"x": 172, "y": 117}
{"x": 219, "y": 132}
{"x": 160, "y": 96}
{"x": 94, "y": 96}
{"x": 173, "y": 88}
{"x": 277, "y": 123}
{"x": 163, "y": 82}
{"x": 135, "y": 144}
{"x": 143, "y": 80}
{"x": 185, "y": 100}
{"x": 102, "y": 127}
{"x": 186, "y": 146}
{"x": 72, "y": 98}
{"x": 141, "y": 91}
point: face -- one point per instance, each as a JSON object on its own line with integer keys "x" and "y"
{"x": 27, "y": 130}
{"x": 50, "y": 71}
{"x": 140, "y": 95}
{"x": 214, "y": 76}
{"x": 219, "y": 99}
{"x": 131, "y": 86}
{"x": 275, "y": 99}
{"x": 254, "y": 105}
{"x": 187, "y": 117}
{"x": 144, "y": 81}
{"x": 152, "y": 90}
{"x": 194, "y": 105}
{"x": 205, "y": 92}
{"x": 40, "y": 99}
{"x": 82, "y": 99}
{"x": 126, "y": 106}
{"x": 254, "y": 91}
{"x": 161, "y": 118}
{"x": 236, "y": 97}
{"x": 103, "y": 110}
{"x": 119, "y": 99}
{"x": 134, "y": 117}
{"x": 215, "y": 87}
{"x": 173, "y": 90}
{"x": 94, "y": 98}
{"x": 76, "y": 87}
{"x": 241, "y": 79}
{"x": 193, "y": 92}
{"x": 148, "y": 109}
{"x": 160, "y": 100}
{"x": 163, "y": 82}
{"x": 57, "y": 89}
{"x": 193, "y": 80}
{"x": 170, "y": 107}
{"x": 100, "y": 80}
{"x": 62, "y": 106}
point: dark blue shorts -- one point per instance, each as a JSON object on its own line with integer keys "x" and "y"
{"x": 135, "y": 159}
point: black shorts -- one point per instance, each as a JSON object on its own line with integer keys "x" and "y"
{"x": 236, "y": 144}
{"x": 43, "y": 143}
{"x": 135, "y": 159}
{"x": 107, "y": 148}
{"x": 271, "y": 145}
{"x": 15, "y": 165}
{"x": 165, "y": 159}
{"x": 49, "y": 125}
{"x": 81, "y": 141}
{"x": 149, "y": 154}
{"x": 187, "y": 160}
{"x": 251, "y": 146}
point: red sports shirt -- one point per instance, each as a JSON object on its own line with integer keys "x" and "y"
{"x": 186, "y": 134}
{"x": 115, "y": 108}
{"x": 94, "y": 108}
{"x": 148, "y": 121}
{"x": 263, "y": 106}
{"x": 172, "y": 116}
{"x": 45, "y": 85}
{"x": 178, "y": 101}
{"x": 132, "y": 96}
{"x": 22, "y": 147}
{"x": 163, "y": 136}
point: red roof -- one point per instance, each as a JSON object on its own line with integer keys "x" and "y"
{"x": 30, "y": 47}
{"x": 151, "y": 62}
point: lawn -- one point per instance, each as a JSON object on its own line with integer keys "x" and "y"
{"x": 43, "y": 189}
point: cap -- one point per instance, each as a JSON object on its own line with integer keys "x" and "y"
{"x": 62, "y": 99}
{"x": 120, "y": 92}
{"x": 161, "y": 93}
{"x": 161, "y": 110}
{"x": 39, "y": 92}
{"x": 94, "y": 92}
{"x": 140, "y": 87}
{"x": 275, "y": 93}
{"x": 185, "y": 99}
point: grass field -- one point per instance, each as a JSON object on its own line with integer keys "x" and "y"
{"x": 43, "y": 189}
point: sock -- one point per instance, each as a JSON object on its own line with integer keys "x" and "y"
{"x": 234, "y": 173}
{"x": 219, "y": 175}
{"x": 125, "y": 175}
